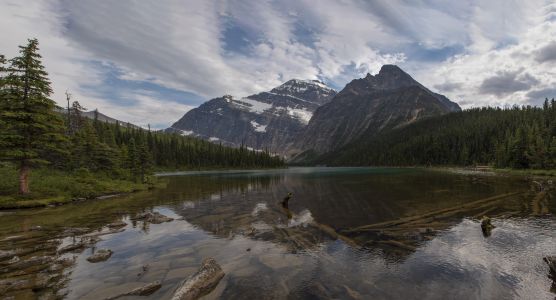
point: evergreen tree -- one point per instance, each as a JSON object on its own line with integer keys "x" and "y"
{"x": 31, "y": 126}
{"x": 144, "y": 161}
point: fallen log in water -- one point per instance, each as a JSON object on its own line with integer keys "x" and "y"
{"x": 332, "y": 233}
{"x": 201, "y": 283}
{"x": 140, "y": 291}
{"x": 398, "y": 244}
{"x": 432, "y": 215}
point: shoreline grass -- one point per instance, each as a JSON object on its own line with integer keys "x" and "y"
{"x": 56, "y": 187}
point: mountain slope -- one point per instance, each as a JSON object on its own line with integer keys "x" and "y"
{"x": 268, "y": 120}
{"x": 367, "y": 106}
{"x": 516, "y": 137}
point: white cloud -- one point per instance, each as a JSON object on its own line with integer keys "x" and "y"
{"x": 180, "y": 45}
{"x": 479, "y": 72}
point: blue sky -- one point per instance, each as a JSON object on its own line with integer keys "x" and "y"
{"x": 148, "y": 62}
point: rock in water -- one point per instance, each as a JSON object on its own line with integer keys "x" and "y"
{"x": 140, "y": 291}
{"x": 154, "y": 217}
{"x": 201, "y": 283}
{"x": 551, "y": 261}
{"x": 100, "y": 255}
{"x": 486, "y": 226}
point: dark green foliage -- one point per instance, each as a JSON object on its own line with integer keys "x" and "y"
{"x": 517, "y": 137}
{"x": 101, "y": 146}
{"x": 30, "y": 127}
{"x": 34, "y": 132}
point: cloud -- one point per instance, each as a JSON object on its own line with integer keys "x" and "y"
{"x": 506, "y": 82}
{"x": 546, "y": 53}
{"x": 538, "y": 96}
{"x": 448, "y": 86}
{"x": 184, "y": 53}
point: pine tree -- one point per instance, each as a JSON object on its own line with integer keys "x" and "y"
{"x": 32, "y": 128}
{"x": 132, "y": 158}
{"x": 144, "y": 160}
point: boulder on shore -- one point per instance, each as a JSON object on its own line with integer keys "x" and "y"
{"x": 201, "y": 283}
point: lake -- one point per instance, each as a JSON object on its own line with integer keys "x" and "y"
{"x": 347, "y": 233}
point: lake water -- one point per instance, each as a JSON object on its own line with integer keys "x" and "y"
{"x": 348, "y": 233}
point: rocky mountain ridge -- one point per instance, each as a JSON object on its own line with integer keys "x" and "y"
{"x": 369, "y": 105}
{"x": 268, "y": 120}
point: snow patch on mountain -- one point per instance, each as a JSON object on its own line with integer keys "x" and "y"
{"x": 187, "y": 132}
{"x": 252, "y": 105}
{"x": 258, "y": 127}
{"x": 299, "y": 86}
{"x": 213, "y": 139}
{"x": 301, "y": 114}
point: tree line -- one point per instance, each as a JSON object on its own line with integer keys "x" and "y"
{"x": 34, "y": 132}
{"x": 517, "y": 137}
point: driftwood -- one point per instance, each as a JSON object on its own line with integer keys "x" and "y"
{"x": 201, "y": 283}
{"x": 140, "y": 291}
{"x": 432, "y": 215}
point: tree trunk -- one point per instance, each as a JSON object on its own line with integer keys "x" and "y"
{"x": 24, "y": 171}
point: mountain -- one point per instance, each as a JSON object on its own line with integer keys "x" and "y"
{"x": 268, "y": 120}
{"x": 369, "y": 105}
{"x": 100, "y": 116}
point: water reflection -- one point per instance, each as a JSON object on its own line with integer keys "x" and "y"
{"x": 346, "y": 233}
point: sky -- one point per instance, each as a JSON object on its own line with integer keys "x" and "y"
{"x": 149, "y": 62}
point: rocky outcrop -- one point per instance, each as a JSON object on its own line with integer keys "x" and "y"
{"x": 201, "y": 283}
{"x": 268, "y": 120}
{"x": 368, "y": 106}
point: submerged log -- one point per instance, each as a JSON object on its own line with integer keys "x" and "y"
{"x": 145, "y": 290}
{"x": 432, "y": 215}
{"x": 331, "y": 232}
{"x": 201, "y": 283}
{"x": 398, "y": 244}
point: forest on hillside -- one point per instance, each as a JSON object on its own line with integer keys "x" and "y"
{"x": 35, "y": 134}
{"x": 519, "y": 137}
